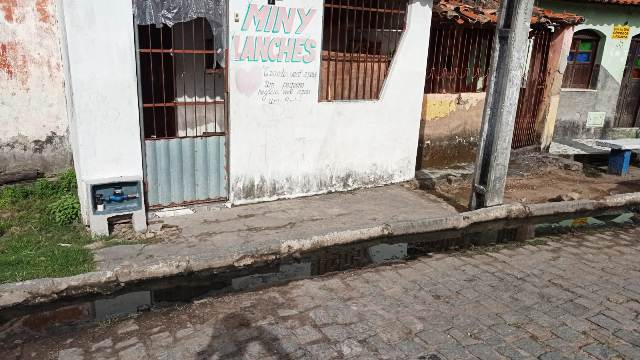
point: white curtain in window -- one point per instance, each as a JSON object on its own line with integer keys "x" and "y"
{"x": 171, "y": 12}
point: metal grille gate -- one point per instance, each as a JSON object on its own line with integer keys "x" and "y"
{"x": 532, "y": 91}
{"x": 183, "y": 92}
{"x": 628, "y": 109}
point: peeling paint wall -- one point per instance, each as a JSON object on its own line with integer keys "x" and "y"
{"x": 33, "y": 117}
{"x": 296, "y": 148}
{"x": 558, "y": 53}
{"x": 449, "y": 129}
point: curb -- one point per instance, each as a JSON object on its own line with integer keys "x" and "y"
{"x": 41, "y": 291}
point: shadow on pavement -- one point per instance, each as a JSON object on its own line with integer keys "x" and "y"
{"x": 241, "y": 340}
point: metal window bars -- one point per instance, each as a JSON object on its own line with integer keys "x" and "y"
{"x": 360, "y": 40}
{"x": 182, "y": 86}
{"x": 459, "y": 59}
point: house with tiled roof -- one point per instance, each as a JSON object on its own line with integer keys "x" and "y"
{"x": 462, "y": 34}
{"x": 600, "y": 95}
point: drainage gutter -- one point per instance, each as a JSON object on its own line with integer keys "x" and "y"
{"x": 40, "y": 291}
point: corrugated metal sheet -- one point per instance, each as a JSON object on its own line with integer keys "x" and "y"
{"x": 185, "y": 170}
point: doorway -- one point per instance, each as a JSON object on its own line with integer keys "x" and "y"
{"x": 532, "y": 90}
{"x": 629, "y": 98}
{"x": 184, "y": 114}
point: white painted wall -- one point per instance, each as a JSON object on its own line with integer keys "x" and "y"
{"x": 304, "y": 147}
{"x": 103, "y": 90}
{"x": 33, "y": 115}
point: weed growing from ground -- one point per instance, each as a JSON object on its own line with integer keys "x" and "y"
{"x": 40, "y": 232}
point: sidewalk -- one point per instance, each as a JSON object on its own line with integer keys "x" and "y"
{"x": 248, "y": 230}
{"x": 229, "y": 239}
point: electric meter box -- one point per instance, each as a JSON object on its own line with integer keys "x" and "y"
{"x": 108, "y": 198}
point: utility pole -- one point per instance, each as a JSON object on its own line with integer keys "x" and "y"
{"x": 508, "y": 63}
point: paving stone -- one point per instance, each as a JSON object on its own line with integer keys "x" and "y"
{"x": 455, "y": 351}
{"x": 432, "y": 356}
{"x": 161, "y": 340}
{"x": 530, "y": 346}
{"x": 287, "y": 312}
{"x": 605, "y": 322}
{"x": 600, "y": 351}
{"x": 71, "y": 354}
{"x": 184, "y": 333}
{"x": 512, "y": 353}
{"x": 323, "y": 351}
{"x": 393, "y": 332}
{"x": 434, "y": 337}
{"x": 483, "y": 352}
{"x": 321, "y": 317}
{"x": 104, "y": 344}
{"x": 567, "y": 333}
{"x": 463, "y": 338}
{"x": 337, "y": 332}
{"x": 627, "y": 351}
{"x": 351, "y": 348}
{"x": 632, "y": 337}
{"x": 126, "y": 343}
{"x": 411, "y": 348}
{"x": 362, "y": 330}
{"x": 307, "y": 334}
{"x": 256, "y": 350}
{"x": 554, "y": 355}
{"x": 127, "y": 327}
{"x": 137, "y": 352}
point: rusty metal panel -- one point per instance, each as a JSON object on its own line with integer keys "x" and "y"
{"x": 532, "y": 91}
{"x": 185, "y": 170}
{"x": 459, "y": 59}
{"x": 629, "y": 99}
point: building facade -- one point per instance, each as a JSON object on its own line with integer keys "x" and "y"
{"x": 599, "y": 97}
{"x": 462, "y": 34}
{"x": 236, "y": 104}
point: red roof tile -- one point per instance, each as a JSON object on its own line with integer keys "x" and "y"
{"x": 484, "y": 11}
{"x": 616, "y": 2}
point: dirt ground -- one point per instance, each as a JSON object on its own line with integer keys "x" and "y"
{"x": 535, "y": 178}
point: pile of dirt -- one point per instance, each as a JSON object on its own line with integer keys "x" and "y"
{"x": 539, "y": 178}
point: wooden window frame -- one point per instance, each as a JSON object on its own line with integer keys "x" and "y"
{"x": 571, "y": 81}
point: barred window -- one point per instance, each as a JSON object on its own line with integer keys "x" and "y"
{"x": 360, "y": 39}
{"x": 459, "y": 59}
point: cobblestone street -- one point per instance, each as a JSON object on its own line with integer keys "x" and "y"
{"x": 572, "y": 296}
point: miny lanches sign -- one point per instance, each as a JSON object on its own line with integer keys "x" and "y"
{"x": 276, "y": 34}
{"x": 275, "y": 51}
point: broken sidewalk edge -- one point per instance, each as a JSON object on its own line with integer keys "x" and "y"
{"x": 40, "y": 291}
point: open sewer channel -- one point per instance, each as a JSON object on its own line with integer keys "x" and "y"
{"x": 69, "y": 315}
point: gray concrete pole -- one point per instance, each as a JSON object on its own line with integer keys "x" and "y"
{"x": 508, "y": 63}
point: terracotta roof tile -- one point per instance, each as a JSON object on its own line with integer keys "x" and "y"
{"x": 484, "y": 11}
{"x": 616, "y": 2}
